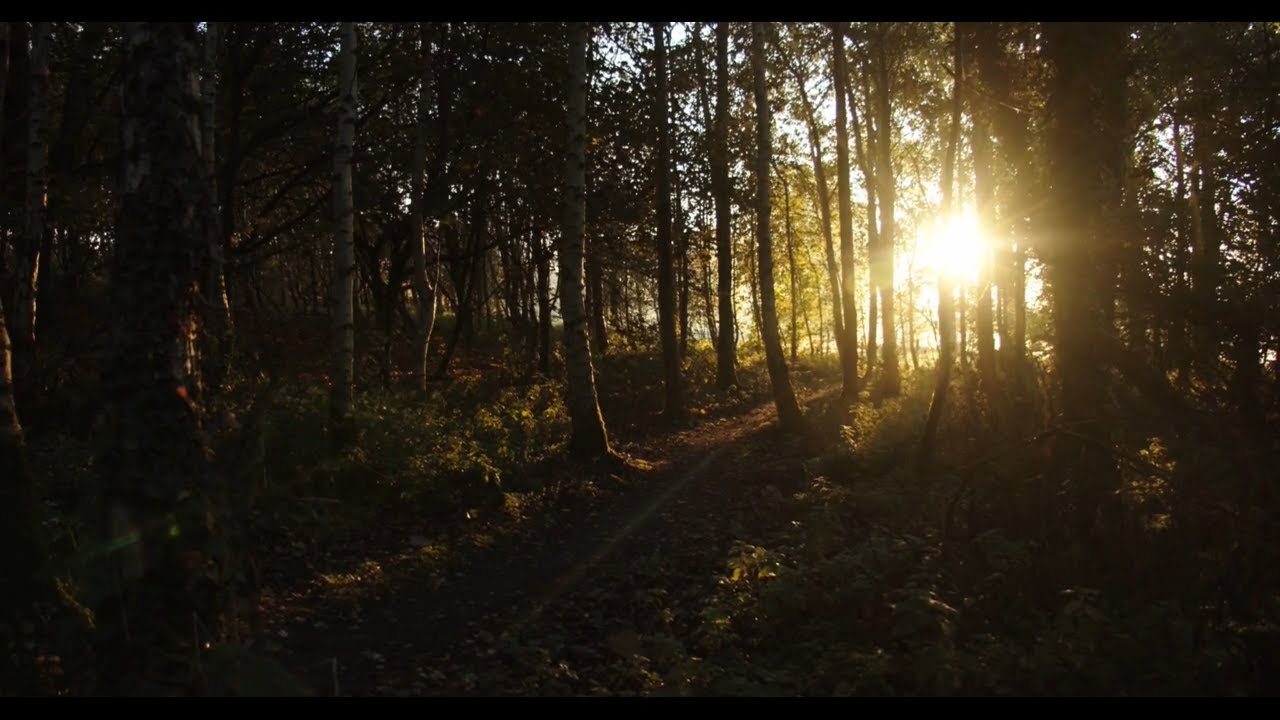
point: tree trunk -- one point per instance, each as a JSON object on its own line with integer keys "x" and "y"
{"x": 1181, "y": 333}
{"x": 424, "y": 294}
{"x": 890, "y": 384}
{"x": 27, "y": 251}
{"x": 726, "y": 350}
{"x": 823, "y": 201}
{"x": 1084, "y": 168}
{"x": 595, "y": 280}
{"x": 783, "y": 396}
{"x": 65, "y": 157}
{"x": 822, "y": 333}
{"x": 873, "y": 307}
{"x": 161, "y": 527}
{"x": 666, "y": 265}
{"x": 708, "y": 125}
{"x": 4, "y": 82}
{"x": 216, "y": 350}
{"x": 588, "y": 438}
{"x": 753, "y": 290}
{"x": 984, "y": 202}
{"x": 866, "y": 162}
{"x": 344, "y": 264}
{"x": 233, "y": 79}
{"x": 1010, "y": 129}
{"x": 509, "y": 260}
{"x": 18, "y": 97}
{"x": 848, "y": 280}
{"x": 682, "y": 271}
{"x": 1205, "y": 275}
{"x": 910, "y": 312}
{"x": 791, "y": 267}
{"x": 707, "y": 302}
{"x": 808, "y": 331}
{"x": 946, "y": 308}
{"x": 542, "y": 258}
{"x": 21, "y": 554}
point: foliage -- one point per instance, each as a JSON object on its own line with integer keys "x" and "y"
{"x": 863, "y": 594}
{"x": 441, "y": 452}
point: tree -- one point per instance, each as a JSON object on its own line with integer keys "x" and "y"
{"x": 343, "y": 300}
{"x": 784, "y": 397}
{"x": 588, "y": 438}
{"x": 886, "y": 194}
{"x": 1085, "y": 170}
{"x": 946, "y": 293}
{"x": 213, "y": 288}
{"x": 848, "y": 280}
{"x": 424, "y": 295}
{"x": 865, "y": 154}
{"x": 1000, "y": 104}
{"x": 27, "y": 255}
{"x": 21, "y": 551}
{"x": 984, "y": 202}
{"x": 791, "y": 265}
{"x": 822, "y": 199}
{"x": 666, "y": 264}
{"x": 726, "y": 350}
{"x": 161, "y": 528}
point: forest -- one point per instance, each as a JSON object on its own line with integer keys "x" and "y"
{"x": 639, "y": 358}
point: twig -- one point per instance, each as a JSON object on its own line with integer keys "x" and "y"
{"x": 333, "y": 669}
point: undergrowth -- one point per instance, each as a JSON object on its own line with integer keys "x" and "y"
{"x": 963, "y": 582}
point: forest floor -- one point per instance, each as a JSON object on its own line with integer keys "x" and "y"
{"x": 595, "y": 584}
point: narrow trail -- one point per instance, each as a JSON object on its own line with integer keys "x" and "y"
{"x": 420, "y": 621}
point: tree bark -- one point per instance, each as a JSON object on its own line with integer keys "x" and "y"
{"x": 866, "y": 162}
{"x": 162, "y": 535}
{"x": 424, "y": 294}
{"x": 848, "y": 280}
{"x": 1010, "y": 129}
{"x": 682, "y": 271}
{"x": 27, "y": 251}
{"x": 791, "y": 267}
{"x": 666, "y": 266}
{"x": 588, "y": 438}
{"x": 21, "y": 550}
{"x": 343, "y": 309}
{"x": 1084, "y": 168}
{"x": 753, "y": 290}
{"x": 65, "y": 158}
{"x": 822, "y": 200}
{"x": 216, "y": 350}
{"x": 946, "y": 307}
{"x": 707, "y": 302}
{"x": 20, "y": 547}
{"x": 595, "y": 280}
{"x": 890, "y": 384}
{"x": 542, "y": 258}
{"x": 783, "y": 396}
{"x": 984, "y": 202}
{"x": 726, "y": 349}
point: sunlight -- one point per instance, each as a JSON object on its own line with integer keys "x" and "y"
{"x": 956, "y": 249}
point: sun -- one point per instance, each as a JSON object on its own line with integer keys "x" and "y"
{"x": 955, "y": 248}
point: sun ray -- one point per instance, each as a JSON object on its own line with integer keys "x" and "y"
{"x": 954, "y": 248}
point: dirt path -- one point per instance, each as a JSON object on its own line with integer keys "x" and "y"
{"x": 427, "y": 618}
